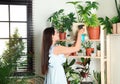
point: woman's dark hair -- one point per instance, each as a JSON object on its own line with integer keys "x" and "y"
{"x": 46, "y": 43}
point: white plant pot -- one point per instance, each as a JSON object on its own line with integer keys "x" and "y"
{"x": 118, "y": 28}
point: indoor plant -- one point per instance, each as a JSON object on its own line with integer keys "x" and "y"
{"x": 71, "y": 73}
{"x": 97, "y": 76}
{"x": 85, "y": 16}
{"x": 84, "y": 69}
{"x": 82, "y": 10}
{"x": 62, "y": 21}
{"x": 106, "y": 22}
{"x": 88, "y": 46}
{"x": 8, "y": 63}
{"x": 93, "y": 26}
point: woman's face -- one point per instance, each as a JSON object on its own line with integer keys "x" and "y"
{"x": 56, "y": 36}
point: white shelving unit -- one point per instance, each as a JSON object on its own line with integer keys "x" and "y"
{"x": 103, "y": 59}
{"x": 113, "y": 58}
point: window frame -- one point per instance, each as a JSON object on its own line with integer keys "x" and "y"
{"x": 29, "y": 22}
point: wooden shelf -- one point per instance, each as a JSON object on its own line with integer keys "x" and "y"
{"x": 84, "y": 57}
{"x": 95, "y": 40}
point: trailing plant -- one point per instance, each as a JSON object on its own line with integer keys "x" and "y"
{"x": 107, "y": 24}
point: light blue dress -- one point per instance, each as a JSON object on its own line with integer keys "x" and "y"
{"x": 56, "y": 74}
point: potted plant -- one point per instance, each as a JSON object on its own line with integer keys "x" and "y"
{"x": 62, "y": 22}
{"x": 87, "y": 45}
{"x": 84, "y": 13}
{"x": 93, "y": 26}
{"x": 84, "y": 70}
{"x": 114, "y": 21}
{"x": 106, "y": 22}
{"x": 71, "y": 73}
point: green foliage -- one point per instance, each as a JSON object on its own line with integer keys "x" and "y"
{"x": 75, "y": 4}
{"x": 107, "y": 24}
{"x": 84, "y": 68}
{"x": 70, "y": 73}
{"x": 91, "y": 21}
{"x": 63, "y": 43}
{"x": 98, "y": 47}
{"x": 115, "y": 19}
{"x": 87, "y": 44}
{"x": 61, "y": 21}
{"x": 8, "y": 64}
{"x": 117, "y": 8}
{"x": 97, "y": 76}
{"x": 82, "y": 11}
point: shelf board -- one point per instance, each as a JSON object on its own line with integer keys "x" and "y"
{"x": 68, "y": 40}
{"x": 84, "y": 57}
{"x": 94, "y": 40}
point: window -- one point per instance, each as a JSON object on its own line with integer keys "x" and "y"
{"x": 17, "y": 14}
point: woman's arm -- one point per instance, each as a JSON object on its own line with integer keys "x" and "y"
{"x": 66, "y": 50}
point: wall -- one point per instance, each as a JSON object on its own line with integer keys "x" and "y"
{"x": 42, "y": 9}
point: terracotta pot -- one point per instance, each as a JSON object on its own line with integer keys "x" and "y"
{"x": 94, "y": 33}
{"x": 62, "y": 35}
{"x": 89, "y": 51}
{"x": 68, "y": 82}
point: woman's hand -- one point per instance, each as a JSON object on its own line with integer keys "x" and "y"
{"x": 81, "y": 31}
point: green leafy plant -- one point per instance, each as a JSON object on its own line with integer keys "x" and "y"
{"x": 115, "y": 19}
{"x": 117, "y": 8}
{"x": 84, "y": 68}
{"x": 71, "y": 73}
{"x": 87, "y": 44}
{"x": 107, "y": 24}
{"x": 85, "y": 10}
{"x": 98, "y": 47}
{"x": 91, "y": 21}
{"x": 8, "y": 61}
{"x": 97, "y": 76}
{"x": 61, "y": 21}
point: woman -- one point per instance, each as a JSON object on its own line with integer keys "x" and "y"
{"x": 53, "y": 56}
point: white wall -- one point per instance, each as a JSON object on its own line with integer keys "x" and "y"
{"x": 42, "y": 9}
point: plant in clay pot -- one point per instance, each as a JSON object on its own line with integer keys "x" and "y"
{"x": 93, "y": 26}
{"x": 84, "y": 68}
{"x": 87, "y": 45}
{"x": 62, "y": 22}
{"x": 85, "y": 16}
